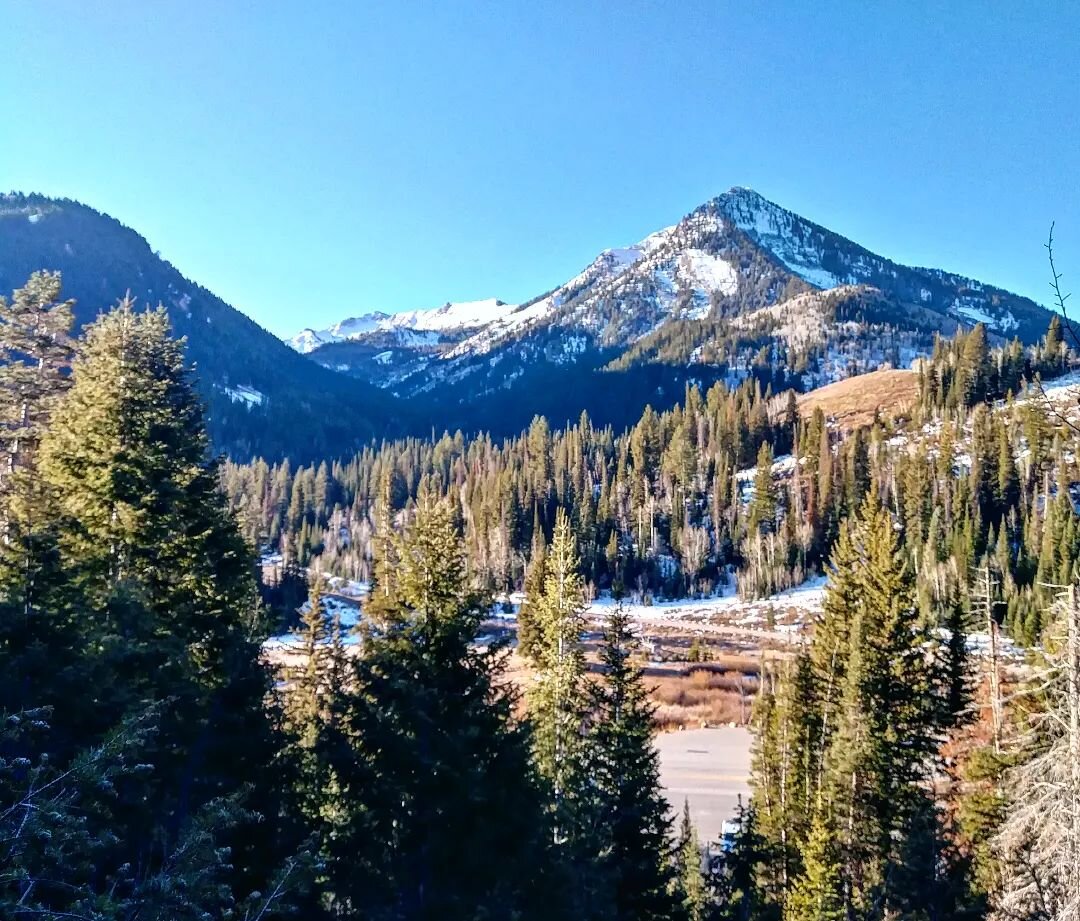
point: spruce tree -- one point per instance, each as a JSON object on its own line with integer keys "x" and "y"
{"x": 158, "y": 586}
{"x": 818, "y": 894}
{"x": 890, "y": 714}
{"x": 689, "y": 886}
{"x": 763, "y": 507}
{"x": 630, "y": 827}
{"x": 444, "y": 818}
{"x": 558, "y": 703}
{"x": 35, "y": 352}
{"x": 736, "y": 871}
{"x": 306, "y": 707}
{"x": 528, "y": 620}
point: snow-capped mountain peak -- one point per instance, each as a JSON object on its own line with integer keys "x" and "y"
{"x": 450, "y": 318}
{"x": 739, "y": 286}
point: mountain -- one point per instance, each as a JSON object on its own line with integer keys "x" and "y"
{"x": 262, "y": 396}
{"x": 449, "y": 320}
{"x": 386, "y": 348}
{"x": 739, "y": 287}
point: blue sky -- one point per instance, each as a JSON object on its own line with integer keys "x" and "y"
{"x": 313, "y": 161}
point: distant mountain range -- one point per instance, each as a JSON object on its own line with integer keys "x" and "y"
{"x": 411, "y": 325}
{"x": 738, "y": 287}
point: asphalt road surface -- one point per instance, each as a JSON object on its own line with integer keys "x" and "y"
{"x": 708, "y": 767}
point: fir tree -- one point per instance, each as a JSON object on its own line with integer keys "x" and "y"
{"x": 558, "y": 703}
{"x": 818, "y": 893}
{"x": 763, "y": 507}
{"x": 35, "y": 352}
{"x": 436, "y": 778}
{"x": 630, "y": 828}
{"x": 158, "y": 583}
{"x": 690, "y": 882}
{"x": 528, "y": 626}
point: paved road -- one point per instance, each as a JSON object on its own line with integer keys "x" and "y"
{"x": 710, "y": 768}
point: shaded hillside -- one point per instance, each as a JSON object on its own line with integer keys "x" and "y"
{"x": 263, "y": 397}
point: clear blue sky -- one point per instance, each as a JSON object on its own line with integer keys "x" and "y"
{"x": 313, "y": 161}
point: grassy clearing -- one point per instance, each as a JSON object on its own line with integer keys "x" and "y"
{"x": 853, "y": 402}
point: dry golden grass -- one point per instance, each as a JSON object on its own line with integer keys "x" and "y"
{"x": 853, "y": 402}
{"x": 711, "y": 693}
{"x": 702, "y": 696}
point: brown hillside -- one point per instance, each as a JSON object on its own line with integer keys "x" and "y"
{"x": 852, "y": 402}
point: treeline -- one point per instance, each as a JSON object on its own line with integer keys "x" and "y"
{"x": 152, "y": 766}
{"x": 964, "y": 371}
{"x": 688, "y": 501}
{"x": 848, "y": 744}
{"x": 657, "y": 508}
{"x": 893, "y": 776}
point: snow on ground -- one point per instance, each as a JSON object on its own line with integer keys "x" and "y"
{"x": 806, "y": 597}
{"x": 248, "y": 395}
{"x": 975, "y": 315}
{"x": 971, "y": 312}
{"x": 353, "y": 588}
{"x": 978, "y": 645}
{"x": 782, "y": 468}
{"x": 1059, "y": 389}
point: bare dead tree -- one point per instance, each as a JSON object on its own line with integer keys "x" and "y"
{"x": 1073, "y": 337}
{"x": 982, "y": 605}
{"x": 1038, "y": 844}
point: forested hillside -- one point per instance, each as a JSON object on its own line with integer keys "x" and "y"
{"x": 154, "y": 767}
{"x": 156, "y": 764}
{"x": 263, "y": 399}
{"x": 730, "y": 488}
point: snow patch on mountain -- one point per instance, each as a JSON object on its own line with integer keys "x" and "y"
{"x": 462, "y": 315}
{"x": 975, "y": 314}
{"x": 603, "y": 271}
{"x": 781, "y": 232}
{"x": 451, "y": 317}
{"x": 247, "y": 395}
{"x": 702, "y": 271}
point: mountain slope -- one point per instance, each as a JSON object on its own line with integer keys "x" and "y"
{"x": 263, "y": 397}
{"x": 740, "y": 287}
{"x": 450, "y": 320}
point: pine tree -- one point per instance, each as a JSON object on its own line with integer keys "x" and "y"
{"x": 890, "y": 718}
{"x": 818, "y": 893}
{"x": 306, "y": 706}
{"x": 763, "y": 508}
{"x": 436, "y": 777}
{"x": 736, "y": 872}
{"x": 58, "y": 828}
{"x": 688, "y": 866}
{"x": 973, "y": 370}
{"x": 158, "y": 585}
{"x": 629, "y": 825}
{"x": 528, "y": 626}
{"x": 558, "y": 702}
{"x": 35, "y": 351}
